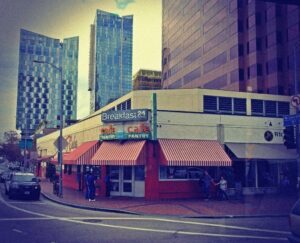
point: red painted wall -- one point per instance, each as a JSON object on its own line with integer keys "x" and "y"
{"x": 151, "y": 175}
{"x": 70, "y": 181}
{"x": 155, "y": 189}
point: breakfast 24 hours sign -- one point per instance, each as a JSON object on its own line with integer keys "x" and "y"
{"x": 125, "y": 125}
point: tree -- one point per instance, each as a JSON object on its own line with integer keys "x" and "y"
{"x": 11, "y": 137}
{"x": 9, "y": 148}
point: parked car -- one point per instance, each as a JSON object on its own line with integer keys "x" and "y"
{"x": 23, "y": 185}
{"x": 294, "y": 220}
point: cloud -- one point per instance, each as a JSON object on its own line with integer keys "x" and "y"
{"x": 122, "y": 4}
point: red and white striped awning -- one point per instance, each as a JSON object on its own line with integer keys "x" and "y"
{"x": 55, "y": 158}
{"x": 126, "y": 153}
{"x": 80, "y": 156}
{"x": 183, "y": 152}
{"x": 83, "y": 154}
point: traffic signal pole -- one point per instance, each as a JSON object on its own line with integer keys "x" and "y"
{"x": 298, "y": 111}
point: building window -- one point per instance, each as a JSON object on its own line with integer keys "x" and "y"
{"x": 279, "y": 64}
{"x": 259, "y": 70}
{"x": 279, "y": 37}
{"x": 225, "y": 105}
{"x": 258, "y": 18}
{"x": 239, "y": 106}
{"x": 240, "y": 26}
{"x": 270, "y": 108}
{"x": 257, "y": 107}
{"x": 215, "y": 62}
{"x": 283, "y": 108}
{"x": 258, "y": 44}
{"x": 241, "y": 50}
{"x": 210, "y": 103}
{"x": 180, "y": 173}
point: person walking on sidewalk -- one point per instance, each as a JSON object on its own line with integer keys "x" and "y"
{"x": 223, "y": 189}
{"x": 91, "y": 186}
{"x": 107, "y": 185}
{"x": 207, "y": 180}
{"x": 86, "y": 175}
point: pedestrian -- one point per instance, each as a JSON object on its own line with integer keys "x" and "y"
{"x": 223, "y": 189}
{"x": 207, "y": 180}
{"x": 107, "y": 184}
{"x": 86, "y": 185}
{"x": 285, "y": 185}
{"x": 91, "y": 186}
{"x": 56, "y": 185}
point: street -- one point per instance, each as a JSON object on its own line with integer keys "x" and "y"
{"x": 44, "y": 221}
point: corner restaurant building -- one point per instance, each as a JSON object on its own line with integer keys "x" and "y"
{"x": 160, "y": 149}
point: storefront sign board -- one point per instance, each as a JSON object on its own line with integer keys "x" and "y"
{"x": 125, "y": 115}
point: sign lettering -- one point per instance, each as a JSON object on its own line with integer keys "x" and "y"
{"x": 125, "y": 115}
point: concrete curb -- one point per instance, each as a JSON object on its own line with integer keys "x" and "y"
{"x": 87, "y": 207}
{"x": 161, "y": 215}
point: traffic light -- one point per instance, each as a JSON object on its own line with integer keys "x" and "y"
{"x": 289, "y": 137}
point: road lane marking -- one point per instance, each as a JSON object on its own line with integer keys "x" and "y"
{"x": 29, "y": 203}
{"x": 23, "y": 219}
{"x": 187, "y": 222}
{"x": 18, "y": 231}
{"x": 145, "y": 229}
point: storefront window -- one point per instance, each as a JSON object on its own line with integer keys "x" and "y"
{"x": 266, "y": 174}
{"x": 289, "y": 170}
{"x": 114, "y": 172}
{"x": 250, "y": 173}
{"x": 127, "y": 187}
{"x": 115, "y": 186}
{"x": 180, "y": 172}
{"x": 139, "y": 173}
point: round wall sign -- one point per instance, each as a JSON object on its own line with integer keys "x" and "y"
{"x": 268, "y": 136}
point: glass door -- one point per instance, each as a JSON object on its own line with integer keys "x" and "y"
{"x": 127, "y": 177}
{"x": 115, "y": 180}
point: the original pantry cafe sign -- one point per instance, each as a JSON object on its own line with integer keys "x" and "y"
{"x": 125, "y": 124}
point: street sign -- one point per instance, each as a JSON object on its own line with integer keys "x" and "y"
{"x": 291, "y": 120}
{"x": 64, "y": 143}
{"x": 295, "y": 101}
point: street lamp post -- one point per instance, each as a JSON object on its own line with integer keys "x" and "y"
{"x": 60, "y": 147}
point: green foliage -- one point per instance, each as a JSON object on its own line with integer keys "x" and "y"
{"x": 9, "y": 148}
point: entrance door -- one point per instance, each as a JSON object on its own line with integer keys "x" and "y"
{"x": 121, "y": 178}
{"x": 127, "y": 179}
{"x": 115, "y": 180}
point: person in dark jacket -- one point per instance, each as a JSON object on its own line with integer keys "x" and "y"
{"x": 91, "y": 179}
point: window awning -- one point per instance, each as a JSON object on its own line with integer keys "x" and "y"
{"x": 55, "y": 158}
{"x": 79, "y": 156}
{"x": 177, "y": 152}
{"x": 262, "y": 151}
{"x": 120, "y": 153}
{"x": 82, "y": 154}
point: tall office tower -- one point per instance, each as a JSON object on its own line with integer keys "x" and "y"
{"x": 147, "y": 79}
{"x": 236, "y": 45}
{"x": 39, "y": 84}
{"x": 110, "y": 69}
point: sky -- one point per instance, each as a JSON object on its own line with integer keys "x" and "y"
{"x": 67, "y": 18}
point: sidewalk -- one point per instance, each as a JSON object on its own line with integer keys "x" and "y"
{"x": 268, "y": 205}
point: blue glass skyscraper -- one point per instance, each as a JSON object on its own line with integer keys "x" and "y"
{"x": 39, "y": 83}
{"x": 110, "y": 74}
